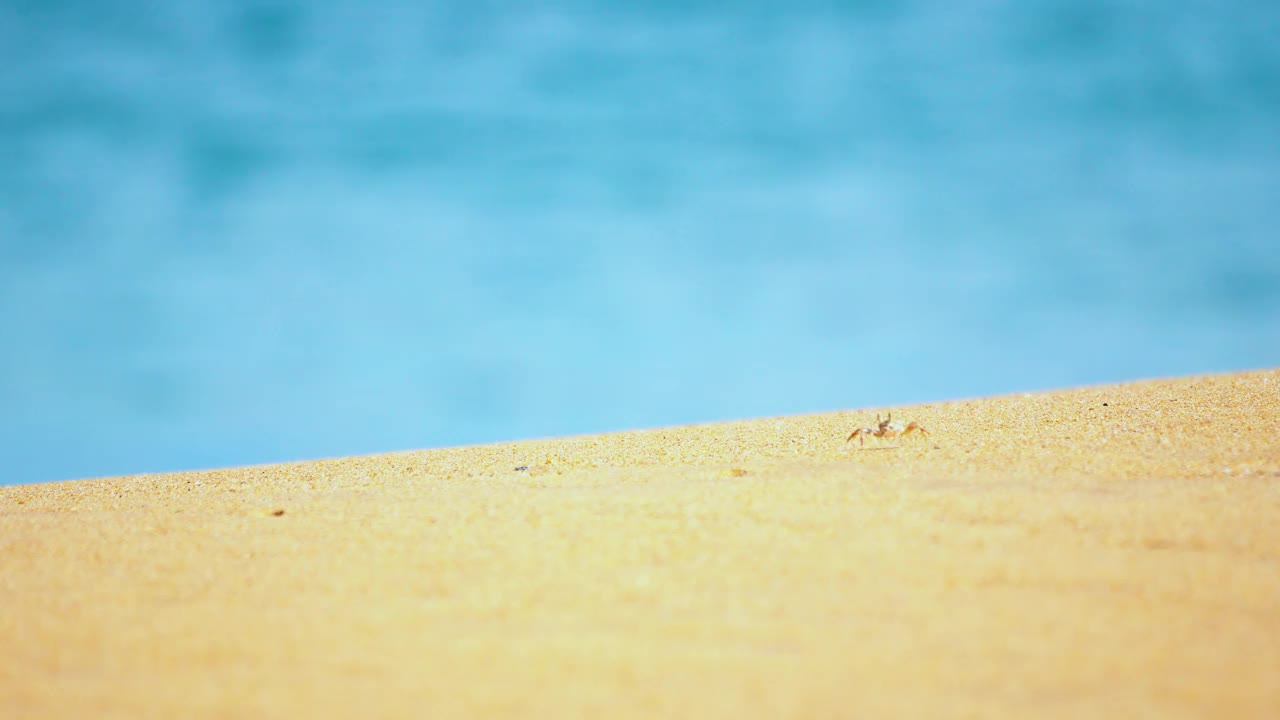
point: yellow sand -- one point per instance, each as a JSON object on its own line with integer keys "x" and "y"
{"x": 1105, "y": 552}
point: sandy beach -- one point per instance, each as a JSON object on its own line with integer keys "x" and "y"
{"x": 1100, "y": 552}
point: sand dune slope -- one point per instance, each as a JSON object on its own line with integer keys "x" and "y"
{"x": 1110, "y": 551}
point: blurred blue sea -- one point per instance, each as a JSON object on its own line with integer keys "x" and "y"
{"x": 238, "y": 232}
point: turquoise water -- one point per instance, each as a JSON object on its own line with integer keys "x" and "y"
{"x": 240, "y": 232}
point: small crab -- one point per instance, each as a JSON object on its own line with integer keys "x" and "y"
{"x": 886, "y": 428}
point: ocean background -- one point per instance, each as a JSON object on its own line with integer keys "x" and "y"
{"x": 241, "y": 232}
